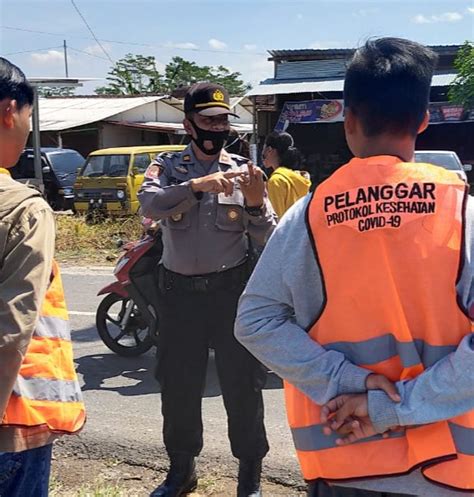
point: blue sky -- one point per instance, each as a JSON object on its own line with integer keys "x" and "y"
{"x": 234, "y": 33}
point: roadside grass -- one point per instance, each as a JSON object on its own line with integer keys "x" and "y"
{"x": 97, "y": 489}
{"x": 79, "y": 242}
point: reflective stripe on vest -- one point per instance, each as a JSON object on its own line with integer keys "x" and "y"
{"x": 389, "y": 241}
{"x": 47, "y": 390}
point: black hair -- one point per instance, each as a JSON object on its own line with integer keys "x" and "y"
{"x": 283, "y": 143}
{"x": 387, "y": 85}
{"x": 14, "y": 85}
{"x": 237, "y": 145}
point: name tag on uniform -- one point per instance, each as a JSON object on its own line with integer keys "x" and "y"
{"x": 237, "y": 198}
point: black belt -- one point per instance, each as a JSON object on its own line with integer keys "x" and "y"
{"x": 169, "y": 280}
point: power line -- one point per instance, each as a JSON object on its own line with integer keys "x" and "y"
{"x": 132, "y": 43}
{"x": 86, "y": 53}
{"x": 30, "y": 51}
{"x": 91, "y": 32}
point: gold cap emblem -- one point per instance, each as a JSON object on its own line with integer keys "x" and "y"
{"x": 218, "y": 96}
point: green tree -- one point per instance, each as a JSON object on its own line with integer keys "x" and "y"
{"x": 181, "y": 72}
{"x": 133, "y": 75}
{"x": 55, "y": 91}
{"x": 137, "y": 74}
{"x": 462, "y": 89}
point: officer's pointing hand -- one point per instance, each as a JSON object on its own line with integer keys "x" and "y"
{"x": 219, "y": 182}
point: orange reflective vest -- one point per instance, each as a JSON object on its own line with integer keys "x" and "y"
{"x": 389, "y": 242}
{"x": 47, "y": 390}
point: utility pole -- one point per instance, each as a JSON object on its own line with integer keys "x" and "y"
{"x": 65, "y": 59}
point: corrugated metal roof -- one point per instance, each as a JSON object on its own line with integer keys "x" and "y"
{"x": 310, "y": 69}
{"x": 278, "y": 87}
{"x": 57, "y": 114}
{"x": 341, "y": 52}
{"x": 176, "y": 128}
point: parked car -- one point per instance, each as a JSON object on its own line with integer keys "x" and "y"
{"x": 60, "y": 167}
{"x": 444, "y": 158}
{"x": 110, "y": 179}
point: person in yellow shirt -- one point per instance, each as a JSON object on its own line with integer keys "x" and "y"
{"x": 286, "y": 184}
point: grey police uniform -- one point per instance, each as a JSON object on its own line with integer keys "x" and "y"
{"x": 204, "y": 270}
{"x": 207, "y": 235}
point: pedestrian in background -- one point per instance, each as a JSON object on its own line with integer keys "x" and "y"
{"x": 287, "y": 183}
{"x": 209, "y": 203}
{"x": 40, "y": 398}
{"x": 235, "y": 144}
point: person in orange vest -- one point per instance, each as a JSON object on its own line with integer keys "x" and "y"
{"x": 286, "y": 184}
{"x": 40, "y": 398}
{"x": 373, "y": 274}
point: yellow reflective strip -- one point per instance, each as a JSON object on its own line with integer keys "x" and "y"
{"x": 214, "y": 104}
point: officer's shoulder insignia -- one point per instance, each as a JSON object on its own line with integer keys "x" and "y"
{"x": 181, "y": 169}
{"x": 167, "y": 155}
{"x": 154, "y": 170}
{"x": 186, "y": 158}
{"x": 238, "y": 159}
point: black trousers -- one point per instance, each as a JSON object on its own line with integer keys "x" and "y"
{"x": 189, "y": 322}
{"x": 322, "y": 489}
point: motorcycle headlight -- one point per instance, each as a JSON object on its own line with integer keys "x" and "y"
{"x": 68, "y": 191}
{"x": 120, "y": 194}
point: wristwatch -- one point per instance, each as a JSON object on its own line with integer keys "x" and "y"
{"x": 254, "y": 211}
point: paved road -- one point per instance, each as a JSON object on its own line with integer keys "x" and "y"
{"x": 123, "y": 401}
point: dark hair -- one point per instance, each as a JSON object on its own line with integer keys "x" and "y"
{"x": 237, "y": 145}
{"x": 387, "y": 85}
{"x": 14, "y": 85}
{"x": 283, "y": 143}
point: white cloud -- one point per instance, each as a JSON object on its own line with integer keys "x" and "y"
{"x": 96, "y": 50}
{"x": 217, "y": 44}
{"x": 300, "y": 17}
{"x": 420, "y": 19}
{"x": 250, "y": 47}
{"x": 184, "y": 45}
{"x": 51, "y": 56}
{"x": 470, "y": 10}
{"x": 444, "y": 17}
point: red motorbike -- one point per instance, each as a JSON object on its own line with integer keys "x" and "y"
{"x": 127, "y": 318}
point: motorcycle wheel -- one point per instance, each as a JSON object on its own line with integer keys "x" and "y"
{"x": 131, "y": 341}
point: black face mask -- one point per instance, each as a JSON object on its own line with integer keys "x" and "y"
{"x": 218, "y": 138}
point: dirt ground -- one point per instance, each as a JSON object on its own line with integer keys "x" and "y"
{"x": 74, "y": 476}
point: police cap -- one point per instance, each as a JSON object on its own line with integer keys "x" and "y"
{"x": 207, "y": 99}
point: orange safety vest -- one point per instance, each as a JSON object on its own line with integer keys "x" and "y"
{"x": 389, "y": 242}
{"x": 47, "y": 390}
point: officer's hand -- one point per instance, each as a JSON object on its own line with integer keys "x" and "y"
{"x": 219, "y": 182}
{"x": 253, "y": 186}
{"x": 381, "y": 382}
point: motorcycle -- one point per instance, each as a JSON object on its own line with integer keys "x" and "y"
{"x": 127, "y": 318}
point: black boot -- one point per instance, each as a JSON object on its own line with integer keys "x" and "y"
{"x": 180, "y": 480}
{"x": 249, "y": 478}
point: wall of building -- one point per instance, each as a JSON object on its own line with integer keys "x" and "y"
{"x": 154, "y": 111}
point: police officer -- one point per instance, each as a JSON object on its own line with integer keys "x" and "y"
{"x": 213, "y": 208}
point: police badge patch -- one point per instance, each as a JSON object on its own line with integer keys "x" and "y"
{"x": 154, "y": 170}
